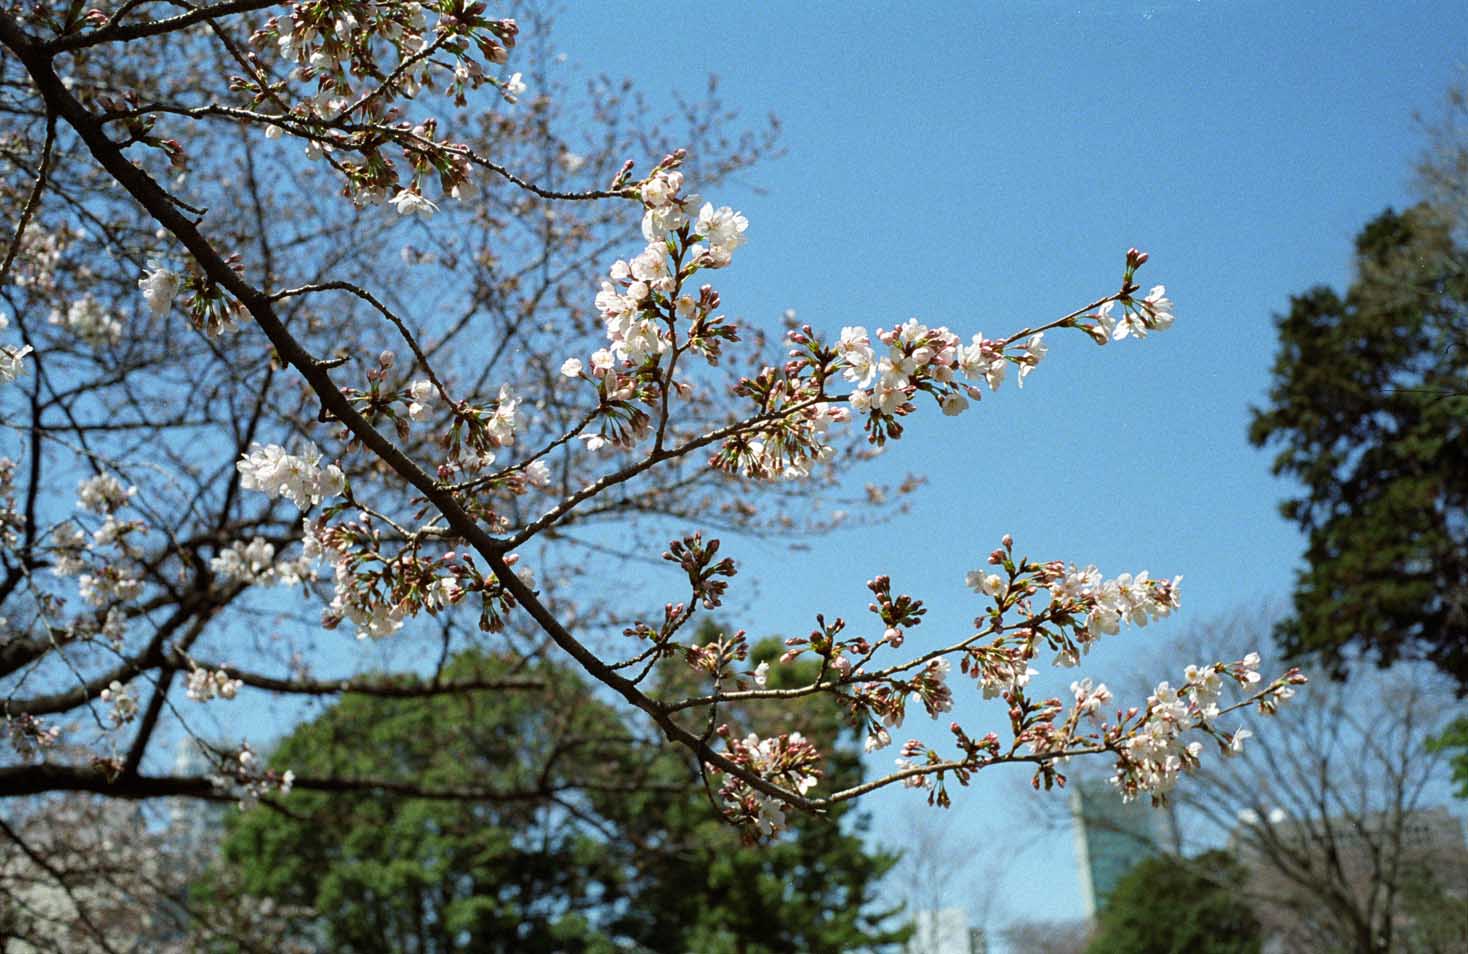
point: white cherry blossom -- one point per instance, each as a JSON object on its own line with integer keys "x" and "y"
{"x": 408, "y": 202}
{"x": 160, "y": 286}
{"x": 299, "y": 478}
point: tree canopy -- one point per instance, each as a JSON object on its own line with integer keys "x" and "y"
{"x": 1369, "y": 411}
{"x": 1171, "y": 905}
{"x": 537, "y": 856}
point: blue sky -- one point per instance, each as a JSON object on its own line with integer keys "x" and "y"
{"x": 985, "y": 166}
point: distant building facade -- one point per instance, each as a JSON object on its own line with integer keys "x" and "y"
{"x": 945, "y": 931}
{"x": 1354, "y": 858}
{"x": 1112, "y": 837}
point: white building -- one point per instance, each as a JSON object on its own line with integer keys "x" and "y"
{"x": 945, "y": 931}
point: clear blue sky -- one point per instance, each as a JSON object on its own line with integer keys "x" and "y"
{"x": 985, "y": 166}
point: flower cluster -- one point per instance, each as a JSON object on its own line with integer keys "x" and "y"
{"x": 501, "y": 422}
{"x": 1152, "y": 313}
{"x": 392, "y": 45}
{"x": 891, "y": 367}
{"x": 250, "y": 562}
{"x": 931, "y": 687}
{"x": 110, "y": 584}
{"x": 379, "y": 589}
{"x": 12, "y": 358}
{"x": 629, "y": 302}
{"x": 1003, "y": 669}
{"x": 88, "y": 320}
{"x": 12, "y": 361}
{"x": 1130, "y": 598}
{"x": 1090, "y": 698}
{"x": 254, "y": 563}
{"x": 160, "y": 286}
{"x": 789, "y": 760}
{"x": 204, "y": 685}
{"x": 640, "y": 303}
{"x": 124, "y": 706}
{"x": 723, "y": 229}
{"x": 243, "y": 774}
{"x": 372, "y": 618}
{"x": 12, "y": 520}
{"x": 918, "y": 358}
{"x": 103, "y": 494}
{"x": 1154, "y": 755}
{"x": 910, "y": 750}
{"x": 106, "y": 563}
{"x": 30, "y": 736}
{"x": 477, "y": 432}
{"x": 299, "y": 478}
{"x": 789, "y": 446}
{"x": 421, "y": 397}
{"x": 35, "y": 266}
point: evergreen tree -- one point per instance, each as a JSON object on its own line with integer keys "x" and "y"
{"x": 1369, "y": 410}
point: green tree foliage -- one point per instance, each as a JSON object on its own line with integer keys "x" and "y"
{"x": 1170, "y": 905}
{"x": 1436, "y": 912}
{"x": 571, "y": 834}
{"x": 1454, "y": 740}
{"x": 1369, "y": 410}
{"x": 812, "y": 891}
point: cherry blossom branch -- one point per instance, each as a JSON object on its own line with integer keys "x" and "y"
{"x": 856, "y": 676}
{"x": 602, "y": 672}
{"x": 54, "y": 777}
{"x": 310, "y": 130}
{"x": 153, "y": 198}
{"x": 643, "y": 310}
{"x": 193, "y": 612}
{"x": 156, "y": 201}
{"x": 622, "y": 475}
{"x": 1064, "y": 320}
{"x": 382, "y": 309}
{"x": 32, "y": 202}
{"x": 113, "y": 32}
{"x": 399, "y": 687}
{"x": 388, "y": 82}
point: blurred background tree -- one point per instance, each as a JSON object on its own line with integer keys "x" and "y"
{"x": 566, "y": 832}
{"x": 1369, "y": 410}
{"x": 1170, "y": 905}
